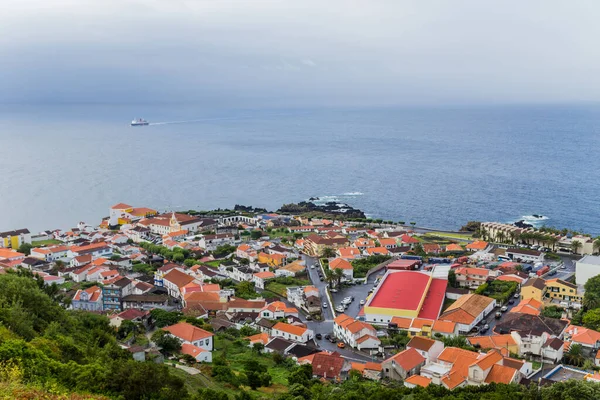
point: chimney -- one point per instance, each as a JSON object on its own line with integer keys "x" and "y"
{"x": 575, "y": 331}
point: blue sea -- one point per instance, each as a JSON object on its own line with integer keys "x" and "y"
{"x": 438, "y": 167}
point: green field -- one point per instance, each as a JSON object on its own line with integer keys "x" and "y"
{"x": 281, "y": 289}
{"x": 48, "y": 242}
{"x": 459, "y": 236}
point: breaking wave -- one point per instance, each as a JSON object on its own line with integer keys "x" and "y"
{"x": 352, "y": 194}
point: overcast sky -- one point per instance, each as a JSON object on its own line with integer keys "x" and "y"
{"x": 299, "y": 52}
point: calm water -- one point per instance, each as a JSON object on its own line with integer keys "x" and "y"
{"x": 437, "y": 167}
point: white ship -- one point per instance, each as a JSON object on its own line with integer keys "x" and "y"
{"x": 139, "y": 122}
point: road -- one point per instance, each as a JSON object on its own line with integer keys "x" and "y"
{"x": 326, "y": 326}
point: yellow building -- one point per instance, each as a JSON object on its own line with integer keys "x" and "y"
{"x": 535, "y": 288}
{"x": 562, "y": 290}
{"x": 272, "y": 260}
{"x": 14, "y": 239}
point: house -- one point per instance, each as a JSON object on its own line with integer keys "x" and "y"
{"x": 432, "y": 248}
{"x": 504, "y": 342}
{"x": 113, "y": 293}
{"x": 534, "y": 288}
{"x": 50, "y": 254}
{"x": 131, "y": 314}
{"x": 454, "y": 248}
{"x": 89, "y": 299}
{"x": 369, "y": 370}
{"x": 344, "y": 266}
{"x": 121, "y": 214}
{"x": 260, "y": 278}
{"x": 14, "y": 239}
{"x": 388, "y": 243}
{"x": 532, "y": 332}
{"x": 444, "y": 328}
{"x": 163, "y": 224}
{"x": 198, "y": 353}
{"x": 478, "y": 245}
{"x": 348, "y": 253}
{"x": 402, "y": 365}
{"x": 174, "y": 280}
{"x": 408, "y": 240}
{"x": 292, "y": 332}
{"x": 246, "y": 251}
{"x": 315, "y": 245}
{"x": 563, "y": 291}
{"x": 272, "y": 260}
{"x": 277, "y": 310}
{"x": 468, "y": 310}
{"x": 363, "y": 243}
{"x": 211, "y": 242}
{"x": 528, "y": 306}
{"x": 357, "y": 334}
{"x": 525, "y": 255}
{"x": 428, "y": 348}
{"x": 583, "y": 336}
{"x": 189, "y": 334}
{"x": 373, "y": 251}
{"x": 330, "y": 366}
{"x": 97, "y": 250}
{"x": 471, "y": 277}
{"x": 258, "y": 338}
{"x": 145, "y": 301}
{"x": 292, "y": 269}
{"x": 416, "y": 380}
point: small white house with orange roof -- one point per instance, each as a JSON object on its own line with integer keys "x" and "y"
{"x": 344, "y": 265}
{"x": 348, "y": 253}
{"x": 356, "y": 333}
{"x": 260, "y": 278}
{"x": 246, "y": 251}
{"x": 89, "y": 299}
{"x": 276, "y": 310}
{"x": 292, "y": 332}
{"x": 194, "y": 336}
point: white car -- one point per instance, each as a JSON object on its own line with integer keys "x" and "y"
{"x": 312, "y": 266}
{"x": 362, "y": 302}
{"x": 504, "y": 309}
{"x": 324, "y": 305}
{"x": 340, "y": 309}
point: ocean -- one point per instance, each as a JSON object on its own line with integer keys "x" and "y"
{"x": 438, "y": 167}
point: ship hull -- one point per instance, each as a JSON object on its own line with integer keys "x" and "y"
{"x": 139, "y": 123}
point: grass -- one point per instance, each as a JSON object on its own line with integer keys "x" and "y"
{"x": 214, "y": 263}
{"x": 447, "y": 303}
{"x": 281, "y": 288}
{"x": 461, "y": 236}
{"x": 536, "y": 365}
{"x": 48, "y": 242}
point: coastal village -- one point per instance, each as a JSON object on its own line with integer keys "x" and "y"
{"x": 384, "y": 300}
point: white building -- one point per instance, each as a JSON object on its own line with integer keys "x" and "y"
{"x": 586, "y": 268}
{"x": 191, "y": 335}
{"x": 292, "y": 332}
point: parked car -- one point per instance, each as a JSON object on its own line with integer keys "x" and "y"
{"x": 498, "y": 315}
{"x": 309, "y": 317}
{"x": 319, "y": 336}
{"x": 340, "y": 309}
{"x": 327, "y": 336}
{"x": 483, "y": 330}
{"x": 486, "y": 326}
{"x": 475, "y": 329}
{"x": 334, "y": 290}
{"x": 362, "y": 302}
{"x": 324, "y": 305}
{"x": 504, "y": 309}
{"x": 511, "y": 301}
{"x": 341, "y": 345}
{"x": 312, "y": 266}
{"x": 321, "y": 279}
{"x": 516, "y": 296}
{"x": 332, "y": 339}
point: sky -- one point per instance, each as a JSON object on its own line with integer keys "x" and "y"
{"x": 299, "y": 53}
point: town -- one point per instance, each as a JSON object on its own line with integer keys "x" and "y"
{"x": 207, "y": 292}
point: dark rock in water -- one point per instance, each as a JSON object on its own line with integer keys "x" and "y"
{"x": 537, "y": 216}
{"x": 313, "y": 199}
{"x": 249, "y": 209}
{"x": 522, "y": 224}
{"x": 332, "y": 207}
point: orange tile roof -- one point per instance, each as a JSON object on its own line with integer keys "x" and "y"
{"x": 387, "y": 241}
{"x": 378, "y": 250}
{"x": 373, "y": 366}
{"x": 408, "y": 359}
{"x": 403, "y": 323}
{"x": 491, "y": 358}
{"x": 451, "y": 354}
{"x": 340, "y": 263}
{"x": 583, "y": 335}
{"x": 500, "y": 374}
{"x": 187, "y": 332}
{"x": 357, "y": 326}
{"x": 443, "y": 326}
{"x": 261, "y": 337}
{"x": 8, "y": 253}
{"x": 265, "y": 275}
{"x": 466, "y": 308}
{"x": 348, "y": 252}
{"x": 243, "y": 247}
{"x": 420, "y": 343}
{"x": 201, "y": 297}
{"x": 178, "y": 278}
{"x": 341, "y": 318}
{"x": 472, "y": 271}
{"x": 357, "y": 366}
{"x": 94, "y": 293}
{"x": 453, "y": 247}
{"x": 121, "y": 206}
{"x": 418, "y": 380}
{"x": 191, "y": 350}
{"x": 453, "y": 379}
{"x": 291, "y": 329}
{"x": 477, "y": 245}
{"x": 419, "y": 323}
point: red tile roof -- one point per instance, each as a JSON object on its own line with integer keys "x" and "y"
{"x": 407, "y": 359}
{"x": 187, "y": 332}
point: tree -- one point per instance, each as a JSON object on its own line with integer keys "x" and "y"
{"x": 301, "y": 374}
{"x": 25, "y": 248}
{"x": 256, "y": 234}
{"x": 575, "y": 246}
{"x": 169, "y": 344}
{"x": 258, "y": 347}
{"x": 591, "y": 319}
{"x": 338, "y": 274}
{"x": 597, "y": 243}
{"x": 328, "y": 252}
{"x": 452, "y": 279}
{"x": 575, "y": 355}
{"x": 591, "y": 298}
{"x": 164, "y": 318}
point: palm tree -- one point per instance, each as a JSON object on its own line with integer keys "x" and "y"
{"x": 338, "y": 274}
{"x": 552, "y": 241}
{"x": 328, "y": 252}
{"x": 483, "y": 234}
{"x": 575, "y": 355}
{"x": 597, "y": 243}
{"x": 500, "y": 237}
{"x": 575, "y": 245}
{"x": 514, "y": 235}
{"x": 329, "y": 276}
